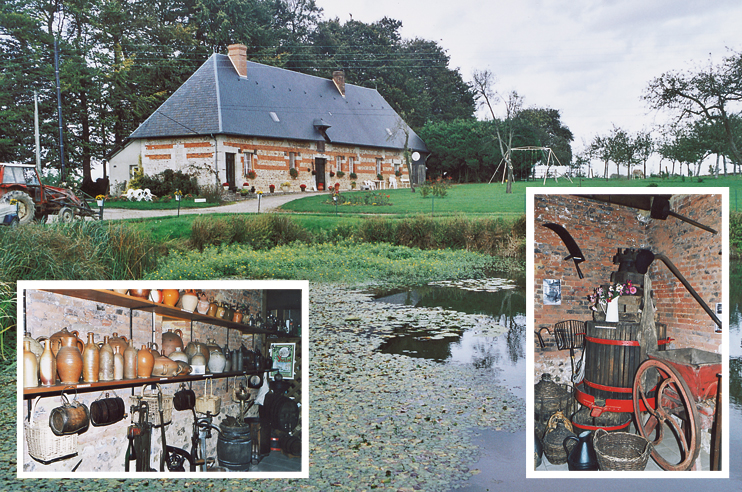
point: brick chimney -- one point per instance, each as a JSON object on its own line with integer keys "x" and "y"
{"x": 338, "y": 76}
{"x": 238, "y": 55}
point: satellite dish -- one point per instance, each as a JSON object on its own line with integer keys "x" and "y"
{"x": 416, "y": 156}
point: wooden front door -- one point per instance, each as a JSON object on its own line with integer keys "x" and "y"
{"x": 319, "y": 167}
{"x": 230, "y": 170}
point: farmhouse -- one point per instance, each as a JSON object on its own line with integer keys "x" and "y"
{"x": 235, "y": 122}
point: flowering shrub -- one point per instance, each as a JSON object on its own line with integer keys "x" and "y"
{"x": 293, "y": 172}
{"x": 272, "y": 188}
{"x": 600, "y": 296}
{"x": 303, "y": 187}
{"x": 252, "y": 175}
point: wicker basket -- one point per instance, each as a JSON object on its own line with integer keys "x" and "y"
{"x": 621, "y": 451}
{"x": 152, "y": 399}
{"x": 43, "y": 445}
{"x": 209, "y": 404}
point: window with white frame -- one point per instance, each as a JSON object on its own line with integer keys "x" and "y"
{"x": 247, "y": 162}
{"x": 338, "y": 163}
{"x": 351, "y": 164}
{"x": 379, "y": 160}
{"x": 397, "y": 167}
{"x": 292, "y": 160}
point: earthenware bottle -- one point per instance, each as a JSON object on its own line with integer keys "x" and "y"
{"x": 118, "y": 364}
{"x": 58, "y": 339}
{"x": 170, "y": 296}
{"x": 36, "y": 347}
{"x": 47, "y": 365}
{"x": 90, "y": 360}
{"x": 178, "y": 355}
{"x": 69, "y": 361}
{"x": 130, "y": 361}
{"x": 145, "y": 362}
{"x": 203, "y": 304}
{"x": 30, "y": 367}
{"x": 105, "y": 371}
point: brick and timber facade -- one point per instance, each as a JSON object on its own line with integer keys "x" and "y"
{"x": 234, "y": 117}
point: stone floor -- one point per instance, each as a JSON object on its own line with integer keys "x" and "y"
{"x": 278, "y": 462}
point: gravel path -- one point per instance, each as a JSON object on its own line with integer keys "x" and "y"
{"x": 268, "y": 203}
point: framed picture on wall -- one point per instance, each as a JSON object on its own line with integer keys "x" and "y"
{"x": 283, "y": 355}
{"x": 552, "y": 292}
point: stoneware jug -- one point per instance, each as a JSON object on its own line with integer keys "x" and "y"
{"x": 118, "y": 364}
{"x": 170, "y": 297}
{"x": 30, "y": 367}
{"x": 130, "y": 361}
{"x": 121, "y": 341}
{"x": 69, "y": 361}
{"x": 58, "y": 339}
{"x": 145, "y": 362}
{"x": 164, "y": 367}
{"x": 170, "y": 341}
{"x": 90, "y": 361}
{"x": 189, "y": 301}
{"x": 47, "y": 365}
{"x": 582, "y": 457}
{"x": 105, "y": 368}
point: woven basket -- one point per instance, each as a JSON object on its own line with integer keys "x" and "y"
{"x": 621, "y": 451}
{"x": 209, "y": 404}
{"x": 43, "y": 445}
{"x": 153, "y": 414}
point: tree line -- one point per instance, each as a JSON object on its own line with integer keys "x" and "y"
{"x": 120, "y": 59}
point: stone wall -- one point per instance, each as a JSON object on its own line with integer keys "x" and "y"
{"x": 104, "y": 448}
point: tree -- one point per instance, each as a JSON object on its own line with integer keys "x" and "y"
{"x": 644, "y": 146}
{"x": 708, "y": 93}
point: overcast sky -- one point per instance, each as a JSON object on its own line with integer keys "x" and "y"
{"x": 592, "y": 60}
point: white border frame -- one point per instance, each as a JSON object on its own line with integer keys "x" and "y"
{"x": 302, "y": 285}
{"x": 530, "y": 293}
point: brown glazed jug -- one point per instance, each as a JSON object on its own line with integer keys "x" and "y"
{"x": 170, "y": 341}
{"x": 164, "y": 367}
{"x": 154, "y": 349}
{"x": 47, "y": 365}
{"x": 145, "y": 362}
{"x": 105, "y": 368}
{"x": 213, "y": 307}
{"x": 69, "y": 361}
{"x": 118, "y": 364}
{"x": 58, "y": 339}
{"x": 130, "y": 361}
{"x": 90, "y": 360}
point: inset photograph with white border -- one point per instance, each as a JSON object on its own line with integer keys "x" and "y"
{"x": 222, "y": 364}
{"x": 627, "y": 369}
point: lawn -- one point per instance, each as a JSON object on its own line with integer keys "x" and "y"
{"x": 487, "y": 199}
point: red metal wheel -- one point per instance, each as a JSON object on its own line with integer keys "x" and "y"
{"x": 673, "y": 404}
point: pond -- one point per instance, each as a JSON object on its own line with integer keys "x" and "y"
{"x": 495, "y": 344}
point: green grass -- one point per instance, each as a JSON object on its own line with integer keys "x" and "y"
{"x": 349, "y": 263}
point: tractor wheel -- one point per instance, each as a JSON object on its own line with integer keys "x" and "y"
{"x": 66, "y": 215}
{"x": 26, "y": 206}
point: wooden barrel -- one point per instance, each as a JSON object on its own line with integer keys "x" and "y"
{"x": 282, "y": 411}
{"x": 612, "y": 356}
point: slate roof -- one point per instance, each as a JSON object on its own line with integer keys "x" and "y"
{"x": 275, "y": 103}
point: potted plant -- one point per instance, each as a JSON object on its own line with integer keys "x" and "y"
{"x": 285, "y": 186}
{"x": 303, "y": 187}
{"x": 314, "y": 173}
{"x": 353, "y": 176}
{"x": 398, "y": 173}
{"x": 245, "y": 185}
{"x": 380, "y": 177}
{"x": 341, "y": 174}
{"x": 252, "y": 174}
{"x": 293, "y": 172}
{"x": 353, "y": 185}
{"x": 272, "y": 188}
{"x": 332, "y": 174}
{"x": 225, "y": 186}
{"x": 100, "y": 199}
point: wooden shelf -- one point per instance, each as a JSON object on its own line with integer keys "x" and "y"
{"x": 126, "y": 383}
{"x": 131, "y": 302}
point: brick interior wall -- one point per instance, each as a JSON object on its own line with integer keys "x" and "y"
{"x": 103, "y": 448}
{"x": 599, "y": 230}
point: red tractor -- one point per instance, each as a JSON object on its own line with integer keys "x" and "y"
{"x": 35, "y": 200}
